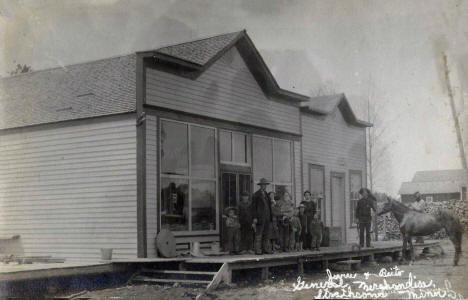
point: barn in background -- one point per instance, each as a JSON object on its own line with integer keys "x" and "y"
{"x": 436, "y": 185}
{"x": 105, "y": 154}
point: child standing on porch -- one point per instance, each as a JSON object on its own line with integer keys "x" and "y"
{"x": 245, "y": 220}
{"x": 315, "y": 231}
{"x": 296, "y": 229}
{"x": 232, "y": 230}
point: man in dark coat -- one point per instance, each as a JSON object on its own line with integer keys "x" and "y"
{"x": 364, "y": 216}
{"x": 262, "y": 217}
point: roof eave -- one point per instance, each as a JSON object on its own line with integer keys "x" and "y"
{"x": 293, "y": 96}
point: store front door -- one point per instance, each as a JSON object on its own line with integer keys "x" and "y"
{"x": 233, "y": 184}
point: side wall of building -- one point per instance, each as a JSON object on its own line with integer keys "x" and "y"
{"x": 69, "y": 189}
{"x": 330, "y": 142}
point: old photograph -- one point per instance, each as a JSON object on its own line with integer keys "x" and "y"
{"x": 233, "y": 149}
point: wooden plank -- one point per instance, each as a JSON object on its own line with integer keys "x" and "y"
{"x": 178, "y": 272}
{"x": 220, "y": 276}
{"x": 161, "y": 280}
{"x": 57, "y": 270}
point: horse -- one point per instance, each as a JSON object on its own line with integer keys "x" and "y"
{"x": 416, "y": 223}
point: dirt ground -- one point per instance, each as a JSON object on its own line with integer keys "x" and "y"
{"x": 437, "y": 268}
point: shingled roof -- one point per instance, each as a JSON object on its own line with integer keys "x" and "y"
{"x": 107, "y": 86}
{"x": 441, "y": 175}
{"x": 201, "y": 51}
{"x": 97, "y": 88}
{"x": 325, "y": 105}
{"x": 436, "y": 182}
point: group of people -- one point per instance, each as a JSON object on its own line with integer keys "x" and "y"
{"x": 270, "y": 222}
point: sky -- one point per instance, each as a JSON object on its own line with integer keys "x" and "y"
{"x": 385, "y": 52}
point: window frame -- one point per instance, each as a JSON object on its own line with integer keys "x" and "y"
{"x": 274, "y": 183}
{"x": 352, "y": 217}
{"x": 248, "y": 141}
{"x": 189, "y": 178}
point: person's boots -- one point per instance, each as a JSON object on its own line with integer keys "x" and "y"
{"x": 258, "y": 245}
{"x": 300, "y": 247}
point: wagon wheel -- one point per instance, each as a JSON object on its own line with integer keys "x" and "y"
{"x": 166, "y": 244}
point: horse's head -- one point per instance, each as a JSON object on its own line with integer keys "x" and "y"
{"x": 386, "y": 208}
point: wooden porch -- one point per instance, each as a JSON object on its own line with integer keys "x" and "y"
{"x": 208, "y": 270}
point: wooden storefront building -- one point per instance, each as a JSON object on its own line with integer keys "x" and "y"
{"x": 107, "y": 153}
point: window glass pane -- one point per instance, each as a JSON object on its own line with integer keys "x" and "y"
{"x": 282, "y": 155}
{"x": 356, "y": 184}
{"x": 355, "y": 180}
{"x": 174, "y": 148}
{"x": 238, "y": 140}
{"x": 203, "y": 205}
{"x": 174, "y": 204}
{"x": 202, "y": 152}
{"x": 263, "y": 160}
{"x": 225, "y": 145}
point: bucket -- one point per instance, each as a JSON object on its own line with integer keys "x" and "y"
{"x": 196, "y": 249}
{"x": 215, "y": 247}
{"x": 106, "y": 253}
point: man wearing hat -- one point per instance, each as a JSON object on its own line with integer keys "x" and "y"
{"x": 364, "y": 216}
{"x": 262, "y": 217}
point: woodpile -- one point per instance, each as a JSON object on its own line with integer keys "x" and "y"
{"x": 392, "y": 230}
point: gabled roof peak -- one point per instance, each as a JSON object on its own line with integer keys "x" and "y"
{"x": 198, "y": 55}
{"x": 326, "y": 104}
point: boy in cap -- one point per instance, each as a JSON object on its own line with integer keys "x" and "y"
{"x": 232, "y": 230}
{"x": 245, "y": 220}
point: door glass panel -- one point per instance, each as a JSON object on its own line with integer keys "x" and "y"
{"x": 174, "y": 204}
{"x": 225, "y": 145}
{"x": 244, "y": 184}
{"x": 202, "y": 142}
{"x": 203, "y": 205}
{"x": 229, "y": 190}
{"x": 263, "y": 158}
{"x": 239, "y": 142}
{"x": 174, "y": 148}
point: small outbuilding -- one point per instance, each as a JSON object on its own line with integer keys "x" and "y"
{"x": 436, "y": 185}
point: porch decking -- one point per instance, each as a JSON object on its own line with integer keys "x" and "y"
{"x": 234, "y": 262}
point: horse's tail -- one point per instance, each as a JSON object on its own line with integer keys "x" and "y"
{"x": 454, "y": 229}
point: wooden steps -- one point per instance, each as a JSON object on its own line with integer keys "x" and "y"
{"x": 209, "y": 275}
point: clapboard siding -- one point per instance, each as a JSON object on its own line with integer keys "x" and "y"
{"x": 297, "y": 171}
{"x": 69, "y": 189}
{"x": 331, "y": 142}
{"x": 227, "y": 91}
{"x": 151, "y": 184}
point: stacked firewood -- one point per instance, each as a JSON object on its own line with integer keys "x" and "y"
{"x": 458, "y": 207}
